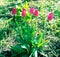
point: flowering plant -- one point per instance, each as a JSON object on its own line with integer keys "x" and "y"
{"x": 28, "y": 44}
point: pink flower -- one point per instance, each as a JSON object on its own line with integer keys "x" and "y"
{"x": 36, "y": 12}
{"x": 50, "y": 16}
{"x": 13, "y": 11}
{"x": 31, "y": 10}
{"x": 24, "y": 12}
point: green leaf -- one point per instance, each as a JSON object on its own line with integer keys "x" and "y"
{"x": 44, "y": 42}
{"x": 26, "y": 46}
{"x": 18, "y": 49}
{"x": 40, "y": 39}
{"x": 32, "y": 53}
{"x": 21, "y": 48}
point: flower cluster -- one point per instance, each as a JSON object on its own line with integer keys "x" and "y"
{"x": 33, "y": 11}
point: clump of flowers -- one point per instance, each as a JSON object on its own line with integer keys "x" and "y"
{"x": 24, "y": 11}
{"x": 34, "y": 11}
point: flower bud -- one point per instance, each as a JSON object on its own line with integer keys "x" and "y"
{"x": 36, "y": 12}
{"x": 31, "y": 10}
{"x": 13, "y": 11}
{"x": 50, "y": 16}
{"x": 24, "y": 12}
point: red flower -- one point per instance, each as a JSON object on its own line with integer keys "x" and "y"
{"x": 13, "y": 11}
{"x": 24, "y": 12}
{"x": 50, "y": 16}
{"x": 31, "y": 10}
{"x": 36, "y": 12}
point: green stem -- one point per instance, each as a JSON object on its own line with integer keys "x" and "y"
{"x": 45, "y": 26}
